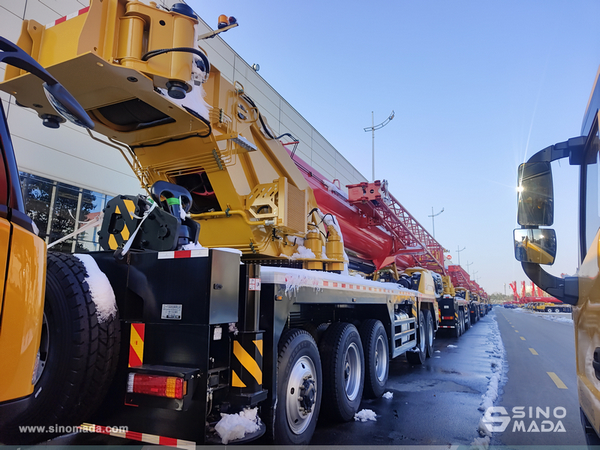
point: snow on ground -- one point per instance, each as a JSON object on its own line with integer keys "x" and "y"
{"x": 553, "y": 317}
{"x": 365, "y": 415}
{"x": 389, "y": 395}
{"x": 498, "y": 378}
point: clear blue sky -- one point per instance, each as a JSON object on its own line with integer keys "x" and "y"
{"x": 477, "y": 87}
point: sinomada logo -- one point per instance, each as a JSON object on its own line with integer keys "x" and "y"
{"x": 525, "y": 419}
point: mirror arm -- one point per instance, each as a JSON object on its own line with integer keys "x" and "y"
{"x": 565, "y": 289}
{"x": 573, "y": 149}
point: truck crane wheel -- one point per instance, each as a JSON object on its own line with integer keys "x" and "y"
{"x": 299, "y": 388}
{"x": 417, "y": 355}
{"x": 474, "y": 317}
{"x": 77, "y": 356}
{"x": 377, "y": 357}
{"x": 316, "y": 331}
{"x": 457, "y": 326}
{"x": 343, "y": 371}
{"x": 467, "y": 320}
{"x": 429, "y": 336}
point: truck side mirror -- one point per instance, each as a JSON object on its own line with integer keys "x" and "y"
{"x": 535, "y": 245}
{"x": 536, "y": 196}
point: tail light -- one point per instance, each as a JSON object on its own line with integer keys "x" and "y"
{"x": 159, "y": 386}
{"x": 447, "y": 318}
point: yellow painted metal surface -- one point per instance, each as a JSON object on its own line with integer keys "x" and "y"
{"x": 586, "y": 317}
{"x": 426, "y": 285}
{"x": 22, "y": 314}
{"x": 247, "y": 361}
{"x": 260, "y": 200}
{"x": 4, "y": 244}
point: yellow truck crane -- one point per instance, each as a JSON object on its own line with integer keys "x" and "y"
{"x": 535, "y": 244}
{"x": 259, "y": 321}
{"x": 25, "y": 318}
{"x": 454, "y": 308}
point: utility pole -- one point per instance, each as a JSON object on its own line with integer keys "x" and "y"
{"x": 432, "y": 219}
{"x": 372, "y": 129}
{"x": 458, "y": 251}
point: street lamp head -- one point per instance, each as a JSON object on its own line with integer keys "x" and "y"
{"x": 391, "y": 115}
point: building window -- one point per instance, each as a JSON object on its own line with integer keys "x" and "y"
{"x": 59, "y": 208}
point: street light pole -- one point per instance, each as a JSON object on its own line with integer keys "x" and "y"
{"x": 372, "y": 129}
{"x": 372, "y": 146}
{"x": 432, "y": 219}
{"x": 458, "y": 251}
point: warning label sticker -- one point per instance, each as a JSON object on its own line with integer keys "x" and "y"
{"x": 171, "y": 312}
{"x": 254, "y": 284}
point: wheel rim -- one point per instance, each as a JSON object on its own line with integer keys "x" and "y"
{"x": 381, "y": 361}
{"x": 42, "y": 355}
{"x": 422, "y": 336}
{"x": 352, "y": 371}
{"x": 301, "y": 395}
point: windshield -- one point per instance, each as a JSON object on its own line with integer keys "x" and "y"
{"x": 590, "y": 219}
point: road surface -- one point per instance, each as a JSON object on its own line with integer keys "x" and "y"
{"x": 511, "y": 359}
{"x": 540, "y": 395}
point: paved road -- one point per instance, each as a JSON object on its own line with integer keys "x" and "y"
{"x": 433, "y": 404}
{"x": 542, "y": 382}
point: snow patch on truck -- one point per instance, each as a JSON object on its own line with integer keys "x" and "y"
{"x": 303, "y": 253}
{"x": 294, "y": 279}
{"x": 100, "y": 289}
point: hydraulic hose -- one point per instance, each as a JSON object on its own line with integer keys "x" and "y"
{"x": 195, "y": 51}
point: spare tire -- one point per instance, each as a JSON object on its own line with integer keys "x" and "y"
{"x": 77, "y": 357}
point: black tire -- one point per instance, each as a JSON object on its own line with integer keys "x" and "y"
{"x": 78, "y": 356}
{"x": 474, "y": 317}
{"x": 417, "y": 356}
{"x": 429, "y": 334}
{"x": 311, "y": 329}
{"x": 462, "y": 322}
{"x": 377, "y": 357}
{"x": 467, "y": 320}
{"x": 457, "y": 331}
{"x": 298, "y": 371}
{"x": 343, "y": 371}
{"x": 316, "y": 332}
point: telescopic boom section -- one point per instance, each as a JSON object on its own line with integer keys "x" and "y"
{"x": 381, "y": 208}
{"x": 460, "y": 277}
